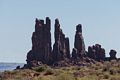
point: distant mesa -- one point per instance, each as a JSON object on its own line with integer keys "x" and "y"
{"x": 42, "y": 52}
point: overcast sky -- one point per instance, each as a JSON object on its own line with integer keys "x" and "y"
{"x": 100, "y": 20}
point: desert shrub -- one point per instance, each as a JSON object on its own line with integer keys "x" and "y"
{"x": 65, "y": 76}
{"x": 106, "y": 76}
{"x": 107, "y": 64}
{"x": 76, "y": 68}
{"x": 78, "y": 74}
{"x": 58, "y": 72}
{"x": 115, "y": 77}
{"x": 10, "y": 72}
{"x": 90, "y": 77}
{"x": 49, "y": 72}
{"x": 118, "y": 71}
{"x": 43, "y": 78}
{"x": 113, "y": 61}
{"x": 113, "y": 71}
{"x": 105, "y": 69}
{"x": 65, "y": 68}
{"x": 99, "y": 64}
{"x": 40, "y": 68}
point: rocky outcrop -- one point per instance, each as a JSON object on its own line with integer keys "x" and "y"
{"x": 42, "y": 53}
{"x": 96, "y": 52}
{"x": 79, "y": 46}
{"x": 41, "y": 43}
{"x": 61, "y": 46}
{"x": 112, "y": 54}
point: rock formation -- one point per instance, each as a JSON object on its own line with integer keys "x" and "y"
{"x": 42, "y": 53}
{"x": 41, "y": 42}
{"x": 112, "y": 54}
{"x": 61, "y": 46}
{"x": 79, "y": 46}
{"x": 74, "y": 53}
{"x": 96, "y": 52}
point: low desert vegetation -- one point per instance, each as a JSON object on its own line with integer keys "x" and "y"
{"x": 99, "y": 71}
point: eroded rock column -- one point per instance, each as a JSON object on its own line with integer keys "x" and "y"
{"x": 79, "y": 42}
{"x": 61, "y": 46}
{"x": 41, "y": 43}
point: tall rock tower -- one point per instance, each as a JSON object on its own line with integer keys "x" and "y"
{"x": 61, "y": 48}
{"x": 79, "y": 46}
{"x": 41, "y": 42}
